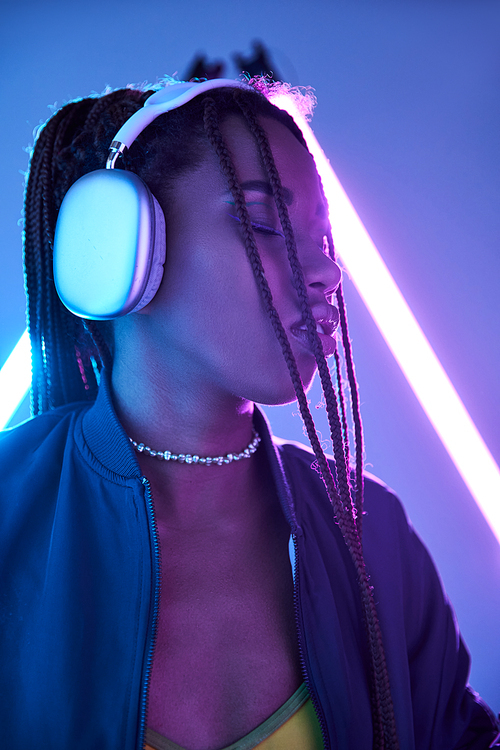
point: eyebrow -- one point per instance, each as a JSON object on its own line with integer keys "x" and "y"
{"x": 264, "y": 187}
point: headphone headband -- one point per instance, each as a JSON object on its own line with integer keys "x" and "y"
{"x": 166, "y": 99}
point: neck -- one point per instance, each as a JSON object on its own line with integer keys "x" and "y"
{"x": 169, "y": 402}
{"x": 181, "y": 418}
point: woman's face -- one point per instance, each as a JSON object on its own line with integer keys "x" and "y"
{"x": 208, "y": 319}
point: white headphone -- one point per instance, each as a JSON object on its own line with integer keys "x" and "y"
{"x": 109, "y": 243}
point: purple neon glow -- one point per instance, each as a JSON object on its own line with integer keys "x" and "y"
{"x": 405, "y": 338}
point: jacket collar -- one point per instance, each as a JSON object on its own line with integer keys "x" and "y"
{"x": 108, "y": 442}
{"x": 104, "y": 435}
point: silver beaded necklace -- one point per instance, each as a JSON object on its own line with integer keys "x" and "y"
{"x": 187, "y": 458}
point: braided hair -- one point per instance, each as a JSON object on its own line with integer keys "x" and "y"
{"x": 68, "y": 353}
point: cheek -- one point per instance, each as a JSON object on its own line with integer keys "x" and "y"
{"x": 280, "y": 279}
{"x": 213, "y": 290}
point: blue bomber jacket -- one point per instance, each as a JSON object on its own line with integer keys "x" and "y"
{"x": 79, "y": 578}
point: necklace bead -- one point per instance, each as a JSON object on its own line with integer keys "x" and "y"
{"x": 187, "y": 458}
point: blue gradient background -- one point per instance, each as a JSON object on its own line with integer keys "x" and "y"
{"x": 409, "y": 110}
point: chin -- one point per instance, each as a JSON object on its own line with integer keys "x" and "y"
{"x": 281, "y": 391}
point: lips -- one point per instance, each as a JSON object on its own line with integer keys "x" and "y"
{"x": 327, "y": 322}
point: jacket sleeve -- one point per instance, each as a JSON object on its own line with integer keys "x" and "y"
{"x": 447, "y": 713}
{"x": 479, "y": 733}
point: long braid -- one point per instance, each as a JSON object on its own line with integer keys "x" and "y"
{"x": 215, "y": 137}
{"x": 385, "y": 733}
{"x": 56, "y": 359}
{"x": 381, "y": 673}
{"x": 32, "y": 281}
{"x": 100, "y": 343}
{"x": 36, "y": 247}
{"x": 298, "y": 277}
{"x": 35, "y": 243}
{"x": 65, "y": 350}
{"x": 343, "y": 418}
{"x": 211, "y": 125}
{"x": 353, "y": 390}
{"x": 343, "y": 489}
{"x": 382, "y": 708}
{"x": 67, "y": 328}
{"x": 52, "y": 350}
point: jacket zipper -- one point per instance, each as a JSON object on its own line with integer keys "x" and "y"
{"x": 156, "y": 606}
{"x": 298, "y": 625}
{"x": 143, "y": 708}
{"x": 298, "y": 621}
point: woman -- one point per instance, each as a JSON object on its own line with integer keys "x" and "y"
{"x": 153, "y": 601}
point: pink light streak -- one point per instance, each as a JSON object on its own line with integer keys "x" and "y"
{"x": 405, "y": 338}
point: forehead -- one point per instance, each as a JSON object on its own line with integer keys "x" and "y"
{"x": 294, "y": 163}
{"x": 207, "y": 182}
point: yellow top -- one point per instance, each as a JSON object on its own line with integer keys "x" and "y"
{"x": 294, "y": 726}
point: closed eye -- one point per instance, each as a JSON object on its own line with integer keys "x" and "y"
{"x": 262, "y": 228}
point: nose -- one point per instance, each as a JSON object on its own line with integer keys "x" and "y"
{"x": 321, "y": 272}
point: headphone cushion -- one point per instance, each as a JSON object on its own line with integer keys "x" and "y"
{"x": 158, "y": 256}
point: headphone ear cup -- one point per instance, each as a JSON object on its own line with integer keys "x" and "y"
{"x": 109, "y": 245}
{"x": 158, "y": 256}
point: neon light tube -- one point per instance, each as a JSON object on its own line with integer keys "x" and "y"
{"x": 405, "y": 338}
{"x": 15, "y": 379}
